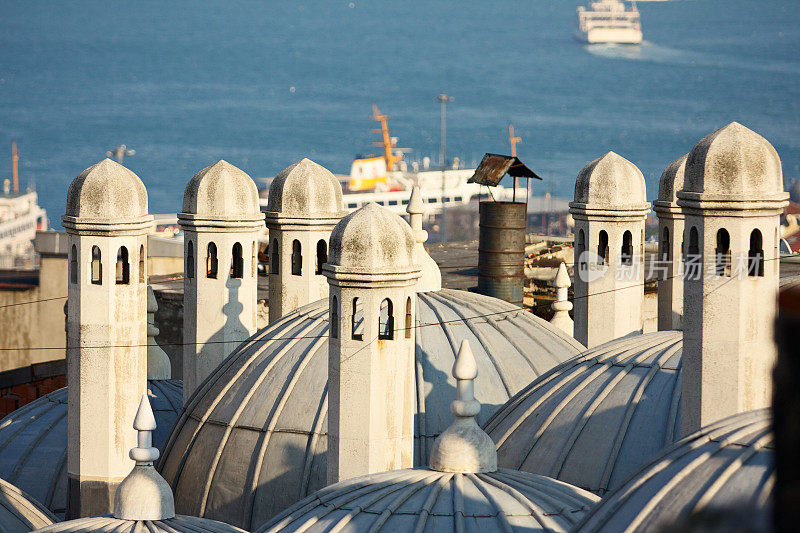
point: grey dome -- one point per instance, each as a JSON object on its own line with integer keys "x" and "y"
{"x": 733, "y": 163}
{"x": 33, "y": 441}
{"x": 672, "y": 181}
{"x": 253, "y": 438}
{"x": 726, "y": 465}
{"x": 19, "y": 513}
{"x": 610, "y": 182}
{"x": 426, "y": 500}
{"x": 222, "y": 191}
{"x": 109, "y": 524}
{"x": 305, "y": 190}
{"x": 597, "y": 418}
{"x": 107, "y": 191}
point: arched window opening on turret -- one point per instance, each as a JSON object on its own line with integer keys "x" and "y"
{"x": 626, "y": 254}
{"x": 97, "y": 267}
{"x": 409, "y": 325}
{"x": 322, "y": 255}
{"x": 275, "y": 258}
{"x": 693, "y": 259}
{"x": 723, "y": 253}
{"x": 334, "y": 318}
{"x": 297, "y": 259}
{"x": 142, "y": 265}
{"x": 386, "y": 321}
{"x": 254, "y": 264}
{"x": 123, "y": 267}
{"x": 237, "y": 261}
{"x": 73, "y": 265}
{"x": 211, "y": 261}
{"x": 357, "y": 325}
{"x": 602, "y": 248}
{"x": 190, "y": 260}
{"x": 580, "y": 248}
{"x": 755, "y": 257}
{"x": 665, "y": 245}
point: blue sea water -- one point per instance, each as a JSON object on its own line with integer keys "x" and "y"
{"x": 262, "y": 84}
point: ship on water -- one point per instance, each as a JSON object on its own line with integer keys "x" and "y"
{"x": 387, "y": 180}
{"x": 20, "y": 219}
{"x": 610, "y": 22}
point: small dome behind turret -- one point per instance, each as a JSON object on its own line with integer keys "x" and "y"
{"x": 672, "y": 180}
{"x": 107, "y": 191}
{"x": 611, "y": 182}
{"x": 223, "y": 191}
{"x": 734, "y": 164}
{"x": 305, "y": 190}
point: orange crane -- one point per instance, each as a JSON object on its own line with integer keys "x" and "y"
{"x": 15, "y": 166}
{"x": 387, "y": 142}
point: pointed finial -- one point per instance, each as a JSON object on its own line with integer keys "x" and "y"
{"x": 145, "y": 424}
{"x": 415, "y": 205}
{"x": 158, "y": 364}
{"x": 431, "y": 279}
{"x": 464, "y": 447}
{"x": 144, "y": 494}
{"x": 561, "y": 306}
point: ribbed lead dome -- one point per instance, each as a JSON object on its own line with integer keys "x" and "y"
{"x": 19, "y": 513}
{"x": 253, "y": 438}
{"x": 728, "y": 465}
{"x": 33, "y": 441}
{"x": 109, "y": 524}
{"x": 420, "y": 499}
{"x": 597, "y": 418}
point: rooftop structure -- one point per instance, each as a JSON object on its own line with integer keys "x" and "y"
{"x": 462, "y": 488}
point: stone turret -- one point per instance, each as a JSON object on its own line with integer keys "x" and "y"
{"x": 221, "y": 220}
{"x": 372, "y": 301}
{"x": 670, "y": 246}
{"x": 732, "y": 198}
{"x": 107, "y": 225}
{"x": 609, "y": 209}
{"x": 305, "y": 203}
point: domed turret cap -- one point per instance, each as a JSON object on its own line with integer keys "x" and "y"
{"x": 305, "y": 190}
{"x": 610, "y": 182}
{"x": 221, "y": 192}
{"x": 107, "y": 196}
{"x": 372, "y": 240}
{"x": 672, "y": 180}
{"x": 733, "y": 164}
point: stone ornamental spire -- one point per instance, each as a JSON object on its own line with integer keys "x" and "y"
{"x": 562, "y": 306}
{"x": 609, "y": 209}
{"x": 305, "y": 203}
{"x": 431, "y": 279}
{"x": 144, "y": 494}
{"x": 732, "y": 199}
{"x": 372, "y": 298}
{"x": 221, "y": 219}
{"x": 107, "y": 225}
{"x": 670, "y": 246}
{"x": 464, "y": 447}
{"x": 158, "y": 365}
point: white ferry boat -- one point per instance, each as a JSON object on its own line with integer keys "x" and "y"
{"x": 20, "y": 218}
{"x": 609, "y": 21}
{"x": 387, "y": 180}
